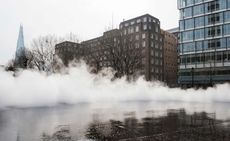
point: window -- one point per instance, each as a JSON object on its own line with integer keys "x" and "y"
{"x": 187, "y": 36}
{"x": 212, "y": 6}
{"x": 143, "y": 36}
{"x": 227, "y": 16}
{"x": 137, "y": 37}
{"x": 137, "y": 28}
{"x": 189, "y": 23}
{"x": 187, "y": 12}
{"x": 227, "y": 29}
{"x": 198, "y": 1}
{"x": 125, "y": 32}
{"x": 199, "y": 21}
{"x": 156, "y": 45}
{"x": 213, "y": 31}
{"x": 143, "y": 44}
{"x": 145, "y": 19}
{"x": 182, "y": 3}
{"x": 199, "y": 34}
{"x": 199, "y": 46}
{"x": 138, "y": 20}
{"x": 152, "y": 44}
{"x": 152, "y": 36}
{"x": 214, "y": 18}
{"x": 197, "y": 10}
{"x": 156, "y": 54}
{"x": 219, "y": 56}
{"x": 189, "y": 47}
{"x": 157, "y": 29}
{"x": 183, "y": 60}
{"x": 223, "y": 43}
{"x": 212, "y": 44}
{"x": 136, "y": 45}
{"x": 189, "y": 2}
{"x": 181, "y": 25}
{"x": 228, "y": 3}
{"x": 145, "y": 27}
{"x": 228, "y": 42}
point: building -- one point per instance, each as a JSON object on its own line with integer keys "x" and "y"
{"x": 68, "y": 51}
{"x": 170, "y": 58}
{"x": 145, "y": 33}
{"x": 136, "y": 48}
{"x": 20, "y": 56}
{"x": 174, "y": 31}
{"x": 204, "y": 42}
{"x": 98, "y": 50}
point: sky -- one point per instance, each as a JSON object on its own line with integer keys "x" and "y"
{"x": 85, "y": 18}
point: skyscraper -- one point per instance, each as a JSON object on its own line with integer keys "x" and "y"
{"x": 20, "y": 58}
{"x": 204, "y": 42}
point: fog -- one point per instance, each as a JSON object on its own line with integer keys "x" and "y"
{"x": 35, "y": 89}
{"x": 33, "y": 102}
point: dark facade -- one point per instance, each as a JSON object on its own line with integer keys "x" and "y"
{"x": 170, "y": 58}
{"x": 145, "y": 33}
{"x": 204, "y": 42}
{"x": 137, "y": 47}
{"x": 68, "y": 51}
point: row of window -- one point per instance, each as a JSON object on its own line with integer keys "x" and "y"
{"x": 204, "y": 8}
{"x": 205, "y": 45}
{"x": 184, "y": 3}
{"x": 136, "y": 29}
{"x": 204, "y": 33}
{"x": 211, "y": 19}
{"x": 207, "y": 73}
{"x": 217, "y": 57}
{"x": 144, "y": 19}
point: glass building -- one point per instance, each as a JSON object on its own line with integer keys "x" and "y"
{"x": 204, "y": 42}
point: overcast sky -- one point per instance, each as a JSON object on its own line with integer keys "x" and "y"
{"x": 86, "y": 18}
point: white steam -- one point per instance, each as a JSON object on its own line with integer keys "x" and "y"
{"x": 32, "y": 88}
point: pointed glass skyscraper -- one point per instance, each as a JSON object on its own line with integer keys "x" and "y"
{"x": 20, "y": 51}
{"x": 20, "y": 58}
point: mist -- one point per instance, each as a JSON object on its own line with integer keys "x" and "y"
{"x": 34, "y": 89}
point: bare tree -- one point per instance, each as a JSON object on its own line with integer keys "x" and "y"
{"x": 119, "y": 53}
{"x": 125, "y": 58}
{"x": 42, "y": 50}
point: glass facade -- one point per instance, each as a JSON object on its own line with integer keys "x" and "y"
{"x": 204, "y": 43}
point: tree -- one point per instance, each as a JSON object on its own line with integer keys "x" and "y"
{"x": 120, "y": 53}
{"x": 42, "y": 51}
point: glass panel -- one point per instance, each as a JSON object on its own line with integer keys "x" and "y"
{"x": 227, "y": 16}
{"x": 189, "y": 47}
{"x": 189, "y": 23}
{"x": 197, "y": 10}
{"x": 187, "y": 35}
{"x": 181, "y": 25}
{"x": 199, "y": 21}
{"x": 227, "y": 29}
{"x": 199, "y": 46}
{"x": 188, "y": 12}
{"x": 199, "y": 34}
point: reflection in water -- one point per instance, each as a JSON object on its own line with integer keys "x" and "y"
{"x": 176, "y": 125}
{"x": 111, "y": 119}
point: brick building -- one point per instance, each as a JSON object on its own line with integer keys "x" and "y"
{"x": 135, "y": 48}
{"x": 68, "y": 51}
{"x": 170, "y": 58}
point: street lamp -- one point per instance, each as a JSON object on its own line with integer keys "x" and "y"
{"x": 192, "y": 71}
{"x": 210, "y": 73}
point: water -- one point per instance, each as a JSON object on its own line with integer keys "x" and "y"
{"x": 29, "y": 123}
